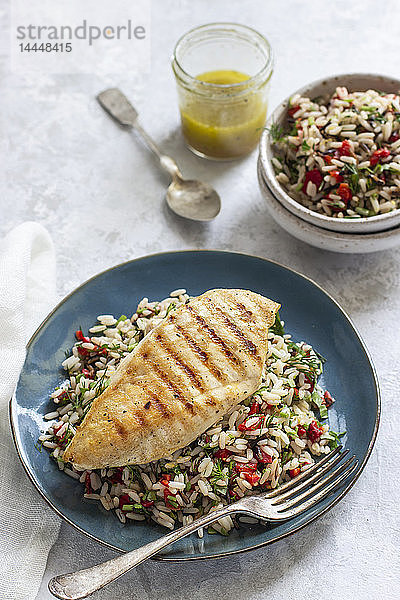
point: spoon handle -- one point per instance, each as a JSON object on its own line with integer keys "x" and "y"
{"x": 73, "y": 586}
{"x": 118, "y": 106}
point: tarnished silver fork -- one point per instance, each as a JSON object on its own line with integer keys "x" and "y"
{"x": 287, "y": 501}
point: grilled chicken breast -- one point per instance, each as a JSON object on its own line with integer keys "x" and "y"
{"x": 204, "y": 358}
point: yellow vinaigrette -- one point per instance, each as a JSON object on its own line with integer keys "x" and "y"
{"x": 228, "y": 122}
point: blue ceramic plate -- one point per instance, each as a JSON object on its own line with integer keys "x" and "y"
{"x": 309, "y": 313}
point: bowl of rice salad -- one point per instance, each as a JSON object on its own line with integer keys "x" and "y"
{"x": 331, "y": 153}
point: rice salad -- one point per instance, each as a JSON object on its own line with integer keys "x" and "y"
{"x": 268, "y": 439}
{"x": 341, "y": 157}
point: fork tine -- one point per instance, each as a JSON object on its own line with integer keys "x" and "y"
{"x": 352, "y": 463}
{"x": 305, "y": 474}
{"x": 317, "y": 475}
{"x": 321, "y": 495}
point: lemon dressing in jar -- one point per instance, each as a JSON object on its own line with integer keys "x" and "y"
{"x": 223, "y": 110}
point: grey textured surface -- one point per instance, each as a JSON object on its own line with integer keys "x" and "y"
{"x": 97, "y": 190}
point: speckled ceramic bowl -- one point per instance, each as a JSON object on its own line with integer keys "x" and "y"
{"x": 323, "y": 87}
{"x": 336, "y": 241}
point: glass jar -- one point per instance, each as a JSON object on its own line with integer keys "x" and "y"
{"x": 223, "y": 72}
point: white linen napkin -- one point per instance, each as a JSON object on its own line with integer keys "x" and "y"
{"x": 28, "y": 527}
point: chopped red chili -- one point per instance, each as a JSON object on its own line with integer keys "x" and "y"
{"x": 117, "y": 476}
{"x": 314, "y": 431}
{"x": 254, "y": 408}
{"x": 165, "y": 479}
{"x": 87, "y": 373}
{"x": 345, "y": 149}
{"x": 223, "y": 454}
{"x": 81, "y": 337}
{"x": 315, "y": 177}
{"x": 147, "y": 503}
{"x": 88, "y": 485}
{"x": 294, "y": 472}
{"x": 308, "y": 380}
{"x": 293, "y": 110}
{"x": 252, "y": 478}
{"x": 244, "y": 427}
{"x": 328, "y": 399}
{"x": 168, "y": 496}
{"x": 379, "y": 155}
{"x": 301, "y": 431}
{"x": 344, "y": 192}
{"x": 336, "y": 174}
{"x": 124, "y": 499}
{"x": 263, "y": 457}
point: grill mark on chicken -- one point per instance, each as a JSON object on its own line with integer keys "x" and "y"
{"x": 157, "y": 404}
{"x": 120, "y": 429}
{"x": 248, "y": 314}
{"x": 250, "y": 347}
{"x": 216, "y": 339}
{"x": 202, "y": 354}
{"x": 176, "y": 392}
{"x": 198, "y": 383}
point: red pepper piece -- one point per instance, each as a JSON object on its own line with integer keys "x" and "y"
{"x": 147, "y": 503}
{"x": 167, "y": 493}
{"x": 328, "y": 399}
{"x": 344, "y": 192}
{"x": 165, "y": 479}
{"x": 394, "y": 138}
{"x": 301, "y": 431}
{"x": 294, "y": 472}
{"x": 293, "y": 110}
{"x": 81, "y": 337}
{"x": 87, "y": 373}
{"x": 88, "y": 486}
{"x": 345, "y": 149}
{"x": 233, "y": 495}
{"x": 223, "y": 454}
{"x": 57, "y": 428}
{"x": 82, "y": 351}
{"x": 244, "y": 427}
{"x": 314, "y": 431}
{"x": 263, "y": 457}
{"x": 336, "y": 174}
{"x": 315, "y": 177}
{"x": 252, "y": 478}
{"x": 124, "y": 499}
{"x": 255, "y": 408}
{"x": 328, "y": 159}
{"x": 310, "y": 382}
{"x": 379, "y": 155}
{"x": 117, "y": 476}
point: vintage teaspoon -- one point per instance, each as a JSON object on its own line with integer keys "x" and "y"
{"x": 186, "y": 197}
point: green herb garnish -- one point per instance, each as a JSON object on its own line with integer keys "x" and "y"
{"x": 276, "y": 132}
{"x": 277, "y": 327}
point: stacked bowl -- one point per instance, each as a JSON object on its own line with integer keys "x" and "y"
{"x": 346, "y": 235}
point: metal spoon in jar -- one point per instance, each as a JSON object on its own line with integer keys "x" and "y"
{"x": 187, "y": 198}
